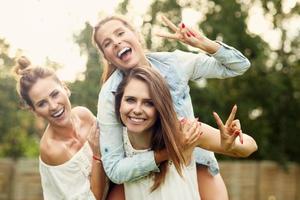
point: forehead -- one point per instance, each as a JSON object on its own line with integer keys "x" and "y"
{"x": 137, "y": 88}
{"x": 43, "y": 88}
{"x": 108, "y": 28}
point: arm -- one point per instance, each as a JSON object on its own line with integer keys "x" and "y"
{"x": 225, "y": 61}
{"x": 118, "y": 168}
{"x": 98, "y": 180}
{"x": 223, "y": 141}
{"x": 211, "y": 140}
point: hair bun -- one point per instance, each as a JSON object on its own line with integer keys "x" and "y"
{"x": 22, "y": 64}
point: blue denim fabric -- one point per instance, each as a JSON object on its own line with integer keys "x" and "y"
{"x": 177, "y": 68}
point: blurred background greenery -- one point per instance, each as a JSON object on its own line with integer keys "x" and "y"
{"x": 267, "y": 95}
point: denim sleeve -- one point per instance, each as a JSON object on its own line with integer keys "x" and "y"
{"x": 226, "y": 62}
{"x": 117, "y": 167}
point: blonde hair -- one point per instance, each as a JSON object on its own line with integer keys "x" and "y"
{"x": 27, "y": 75}
{"x": 109, "y": 68}
{"x": 166, "y": 131}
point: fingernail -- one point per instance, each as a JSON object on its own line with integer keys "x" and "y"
{"x": 182, "y": 25}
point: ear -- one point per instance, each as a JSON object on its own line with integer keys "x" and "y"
{"x": 31, "y": 109}
{"x": 67, "y": 89}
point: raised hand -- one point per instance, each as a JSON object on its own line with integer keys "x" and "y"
{"x": 188, "y": 36}
{"x": 230, "y": 130}
{"x": 93, "y": 138}
{"x": 191, "y": 132}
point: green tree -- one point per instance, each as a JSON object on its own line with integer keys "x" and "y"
{"x": 17, "y": 126}
{"x": 85, "y": 90}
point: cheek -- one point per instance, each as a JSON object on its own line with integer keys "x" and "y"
{"x": 153, "y": 114}
{"x": 123, "y": 111}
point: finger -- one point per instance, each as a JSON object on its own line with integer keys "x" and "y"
{"x": 170, "y": 24}
{"x": 193, "y": 126}
{"x": 231, "y": 116}
{"x": 197, "y": 135}
{"x": 238, "y": 124}
{"x": 167, "y": 35}
{"x": 185, "y": 33}
{"x": 241, "y": 137}
{"x": 219, "y": 123}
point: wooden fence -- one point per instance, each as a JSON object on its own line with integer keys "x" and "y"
{"x": 245, "y": 180}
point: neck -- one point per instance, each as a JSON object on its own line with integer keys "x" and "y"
{"x": 66, "y": 132}
{"x": 140, "y": 140}
{"x": 144, "y": 61}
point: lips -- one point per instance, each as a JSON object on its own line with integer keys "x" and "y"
{"x": 137, "y": 120}
{"x": 58, "y": 113}
{"x": 124, "y": 53}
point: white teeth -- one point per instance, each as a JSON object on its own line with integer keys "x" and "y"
{"x": 137, "y": 119}
{"x": 58, "y": 113}
{"x": 122, "y": 51}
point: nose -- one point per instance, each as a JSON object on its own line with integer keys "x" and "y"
{"x": 52, "y": 105}
{"x": 137, "y": 110}
{"x": 116, "y": 41}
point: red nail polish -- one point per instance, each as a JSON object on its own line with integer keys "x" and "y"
{"x": 182, "y": 25}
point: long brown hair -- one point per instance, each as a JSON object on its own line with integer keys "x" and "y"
{"x": 166, "y": 128}
{"x": 109, "y": 68}
{"x": 27, "y": 75}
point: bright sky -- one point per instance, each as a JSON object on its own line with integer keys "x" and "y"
{"x": 45, "y": 28}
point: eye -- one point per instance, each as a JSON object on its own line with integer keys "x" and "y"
{"x": 149, "y": 103}
{"x": 130, "y": 100}
{"x": 55, "y": 94}
{"x": 120, "y": 33}
{"x": 106, "y": 43}
{"x": 41, "y": 104}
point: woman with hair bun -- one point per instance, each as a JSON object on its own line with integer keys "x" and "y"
{"x": 69, "y": 160}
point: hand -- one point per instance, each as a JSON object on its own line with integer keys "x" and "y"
{"x": 93, "y": 138}
{"x": 189, "y": 36}
{"x": 191, "y": 132}
{"x": 230, "y": 130}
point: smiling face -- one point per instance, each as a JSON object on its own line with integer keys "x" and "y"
{"x": 50, "y": 101}
{"x": 137, "y": 111}
{"x": 120, "y": 45}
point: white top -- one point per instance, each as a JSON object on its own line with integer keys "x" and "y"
{"x": 70, "y": 180}
{"x": 174, "y": 187}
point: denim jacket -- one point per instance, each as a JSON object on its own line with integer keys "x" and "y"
{"x": 177, "y": 68}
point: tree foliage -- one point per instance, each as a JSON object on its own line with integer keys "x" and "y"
{"x": 17, "y": 126}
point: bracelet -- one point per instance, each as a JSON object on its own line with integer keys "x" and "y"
{"x": 97, "y": 158}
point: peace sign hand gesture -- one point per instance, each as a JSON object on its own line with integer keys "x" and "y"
{"x": 230, "y": 130}
{"x": 189, "y": 36}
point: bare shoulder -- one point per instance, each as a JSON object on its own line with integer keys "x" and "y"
{"x": 52, "y": 152}
{"x": 84, "y": 113}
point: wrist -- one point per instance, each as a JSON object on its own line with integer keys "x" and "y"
{"x": 96, "y": 158}
{"x": 209, "y": 46}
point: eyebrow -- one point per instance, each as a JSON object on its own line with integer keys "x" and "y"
{"x": 51, "y": 94}
{"x": 105, "y": 39}
{"x": 144, "y": 99}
